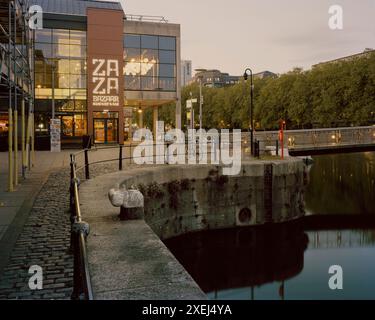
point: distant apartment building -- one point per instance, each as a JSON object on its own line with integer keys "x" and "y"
{"x": 186, "y": 72}
{"x": 215, "y": 78}
{"x": 264, "y": 75}
{"x": 366, "y": 53}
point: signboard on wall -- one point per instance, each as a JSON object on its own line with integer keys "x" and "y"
{"x": 105, "y": 81}
{"x": 128, "y": 112}
{"x": 55, "y": 129}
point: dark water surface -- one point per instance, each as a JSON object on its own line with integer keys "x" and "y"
{"x": 291, "y": 260}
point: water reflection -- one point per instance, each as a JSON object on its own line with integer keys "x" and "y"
{"x": 280, "y": 262}
{"x": 235, "y": 258}
{"x": 291, "y": 261}
{"x": 342, "y": 184}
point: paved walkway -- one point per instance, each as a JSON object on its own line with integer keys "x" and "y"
{"x": 35, "y": 225}
{"x": 12, "y": 203}
{"x": 26, "y": 222}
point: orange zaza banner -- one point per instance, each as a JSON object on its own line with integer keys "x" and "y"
{"x": 105, "y": 81}
{"x": 105, "y": 59}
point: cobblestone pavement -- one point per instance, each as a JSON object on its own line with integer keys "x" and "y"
{"x": 44, "y": 241}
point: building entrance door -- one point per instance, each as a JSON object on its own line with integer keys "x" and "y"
{"x": 67, "y": 124}
{"x": 106, "y": 130}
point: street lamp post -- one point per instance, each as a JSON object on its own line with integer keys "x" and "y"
{"x": 249, "y": 72}
{"x": 200, "y": 103}
{"x": 200, "y": 78}
{"x": 53, "y": 89}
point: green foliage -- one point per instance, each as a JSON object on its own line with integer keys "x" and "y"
{"x": 335, "y": 94}
{"x": 174, "y": 187}
{"x": 155, "y": 191}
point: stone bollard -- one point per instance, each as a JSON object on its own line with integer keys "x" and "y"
{"x": 131, "y": 203}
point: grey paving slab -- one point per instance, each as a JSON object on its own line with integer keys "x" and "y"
{"x": 127, "y": 260}
{"x": 7, "y": 214}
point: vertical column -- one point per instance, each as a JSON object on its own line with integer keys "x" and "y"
{"x": 178, "y": 113}
{"x": 155, "y": 120}
{"x": 15, "y": 144}
{"x": 23, "y": 136}
{"x": 10, "y": 146}
{"x": 15, "y": 121}
{"x": 32, "y": 139}
{"x": 131, "y": 127}
{"x": 178, "y": 82}
{"x": 140, "y": 119}
{"x": 10, "y": 110}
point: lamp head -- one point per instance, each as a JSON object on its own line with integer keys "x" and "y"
{"x": 247, "y": 73}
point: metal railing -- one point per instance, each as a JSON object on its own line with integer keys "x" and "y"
{"x": 121, "y": 155}
{"x": 147, "y": 18}
{"x": 82, "y": 288}
{"x": 318, "y": 138}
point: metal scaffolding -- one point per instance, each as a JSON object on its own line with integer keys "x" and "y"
{"x": 16, "y": 84}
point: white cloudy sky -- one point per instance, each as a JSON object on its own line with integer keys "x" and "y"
{"x": 274, "y": 35}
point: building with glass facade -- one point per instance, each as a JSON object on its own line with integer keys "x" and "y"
{"x": 97, "y": 70}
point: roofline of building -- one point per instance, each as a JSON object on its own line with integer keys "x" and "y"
{"x": 346, "y": 57}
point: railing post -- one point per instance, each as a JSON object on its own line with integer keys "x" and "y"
{"x": 120, "y": 159}
{"x": 87, "y": 169}
{"x": 71, "y": 187}
{"x": 77, "y": 285}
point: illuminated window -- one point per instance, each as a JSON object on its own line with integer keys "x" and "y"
{"x": 63, "y": 52}
{"x": 150, "y": 62}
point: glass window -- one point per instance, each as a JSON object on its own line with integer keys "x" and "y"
{"x": 77, "y": 66}
{"x": 167, "y": 70}
{"x": 62, "y": 66}
{"x": 77, "y": 51}
{"x": 44, "y": 35}
{"x": 43, "y": 80}
{"x": 80, "y": 125}
{"x": 80, "y": 105}
{"x": 149, "y": 83}
{"x": 78, "y": 37}
{"x": 150, "y": 55}
{"x": 60, "y": 36}
{"x": 132, "y": 69}
{"x": 43, "y": 66}
{"x": 43, "y": 51}
{"x": 132, "y": 41}
{"x": 61, "y": 93}
{"x": 62, "y": 81}
{"x": 167, "y": 84}
{"x": 78, "y": 94}
{"x": 77, "y": 81}
{"x": 167, "y": 43}
{"x": 153, "y": 66}
{"x": 60, "y": 50}
{"x": 102, "y": 115}
{"x": 132, "y": 83}
{"x": 149, "y": 42}
{"x": 167, "y": 56}
{"x": 149, "y": 69}
{"x": 132, "y": 54}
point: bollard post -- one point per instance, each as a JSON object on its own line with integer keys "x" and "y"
{"x": 120, "y": 159}
{"x": 131, "y": 155}
{"x": 87, "y": 169}
{"x": 277, "y": 147}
